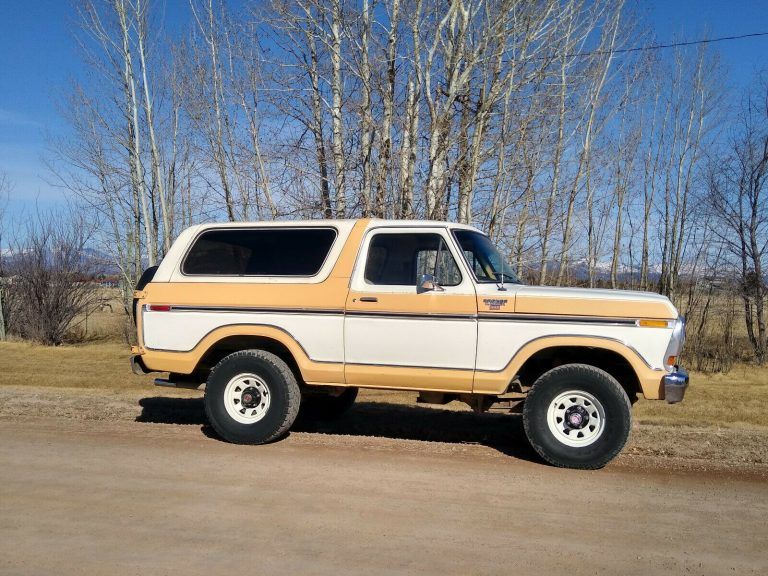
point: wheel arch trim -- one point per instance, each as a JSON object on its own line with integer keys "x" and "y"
{"x": 321, "y": 371}
{"x": 497, "y": 381}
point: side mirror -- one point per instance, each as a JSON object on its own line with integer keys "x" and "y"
{"x": 427, "y": 283}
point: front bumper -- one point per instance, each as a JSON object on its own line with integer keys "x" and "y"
{"x": 675, "y": 385}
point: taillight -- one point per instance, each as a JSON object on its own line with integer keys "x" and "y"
{"x": 158, "y": 308}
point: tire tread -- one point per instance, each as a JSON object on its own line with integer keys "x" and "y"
{"x": 540, "y": 387}
{"x": 294, "y": 393}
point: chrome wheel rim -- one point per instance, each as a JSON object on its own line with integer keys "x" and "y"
{"x": 247, "y": 398}
{"x": 576, "y": 418}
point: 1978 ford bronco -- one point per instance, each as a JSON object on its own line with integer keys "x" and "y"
{"x": 281, "y": 315}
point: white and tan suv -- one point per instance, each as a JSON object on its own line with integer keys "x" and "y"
{"x": 274, "y": 316}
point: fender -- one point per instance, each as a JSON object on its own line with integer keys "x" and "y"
{"x": 312, "y": 371}
{"x": 496, "y": 382}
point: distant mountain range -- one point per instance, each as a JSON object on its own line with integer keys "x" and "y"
{"x": 102, "y": 262}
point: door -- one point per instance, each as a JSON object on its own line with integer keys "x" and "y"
{"x": 396, "y": 336}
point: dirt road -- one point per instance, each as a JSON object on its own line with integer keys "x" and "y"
{"x": 118, "y": 497}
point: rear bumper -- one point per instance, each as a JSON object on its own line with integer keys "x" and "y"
{"x": 138, "y": 367}
{"x": 675, "y": 385}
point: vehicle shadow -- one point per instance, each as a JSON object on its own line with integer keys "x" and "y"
{"x": 502, "y": 432}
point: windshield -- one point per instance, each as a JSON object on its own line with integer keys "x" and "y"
{"x": 483, "y": 258}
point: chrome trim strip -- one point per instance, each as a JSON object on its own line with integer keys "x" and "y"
{"x": 483, "y": 316}
{"x": 555, "y": 318}
{"x": 409, "y": 315}
{"x": 407, "y": 366}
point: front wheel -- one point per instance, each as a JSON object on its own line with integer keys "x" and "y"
{"x": 251, "y": 397}
{"x": 577, "y": 416}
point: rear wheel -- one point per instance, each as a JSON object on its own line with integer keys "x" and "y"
{"x": 577, "y": 416}
{"x": 324, "y": 406}
{"x": 251, "y": 397}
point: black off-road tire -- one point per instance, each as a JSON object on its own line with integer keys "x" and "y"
{"x": 325, "y": 406}
{"x": 285, "y": 397}
{"x": 617, "y": 421}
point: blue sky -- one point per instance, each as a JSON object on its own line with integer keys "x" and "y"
{"x": 38, "y": 57}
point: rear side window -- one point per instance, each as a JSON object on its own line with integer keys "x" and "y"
{"x": 259, "y": 252}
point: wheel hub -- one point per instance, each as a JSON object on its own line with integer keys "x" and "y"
{"x": 576, "y": 417}
{"x": 251, "y": 397}
{"x": 247, "y": 398}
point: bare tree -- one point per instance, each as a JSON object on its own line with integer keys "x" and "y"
{"x": 158, "y": 184}
{"x": 624, "y": 172}
{"x": 412, "y": 113}
{"x": 738, "y": 183}
{"x": 594, "y": 95}
{"x": 449, "y": 46}
{"x": 119, "y": 123}
{"x": 5, "y": 187}
{"x": 560, "y": 143}
{"x": 208, "y": 109}
{"x": 695, "y": 99}
{"x": 132, "y": 107}
{"x": 52, "y": 278}
{"x": 339, "y": 161}
{"x": 388, "y": 97}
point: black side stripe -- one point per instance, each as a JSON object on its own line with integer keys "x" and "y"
{"x": 241, "y": 309}
{"x": 410, "y": 315}
{"x": 553, "y": 318}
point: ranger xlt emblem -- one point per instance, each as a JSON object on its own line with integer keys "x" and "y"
{"x": 494, "y": 303}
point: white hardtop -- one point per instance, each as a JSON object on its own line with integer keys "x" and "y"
{"x": 169, "y": 268}
{"x": 343, "y": 223}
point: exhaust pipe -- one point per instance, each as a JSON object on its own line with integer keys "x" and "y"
{"x": 187, "y": 384}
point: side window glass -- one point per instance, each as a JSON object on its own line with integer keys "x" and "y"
{"x": 401, "y": 259}
{"x": 259, "y": 252}
{"x": 440, "y": 264}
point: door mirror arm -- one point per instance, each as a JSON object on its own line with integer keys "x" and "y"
{"x": 427, "y": 283}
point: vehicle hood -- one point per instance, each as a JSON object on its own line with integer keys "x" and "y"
{"x": 546, "y": 300}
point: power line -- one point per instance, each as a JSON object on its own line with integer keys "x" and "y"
{"x": 670, "y": 45}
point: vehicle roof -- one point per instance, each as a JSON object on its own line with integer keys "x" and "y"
{"x": 372, "y": 222}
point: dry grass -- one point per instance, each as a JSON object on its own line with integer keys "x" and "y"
{"x": 106, "y": 323}
{"x": 737, "y": 399}
{"x": 94, "y": 365}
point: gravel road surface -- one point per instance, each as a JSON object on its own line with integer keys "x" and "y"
{"x": 116, "y": 496}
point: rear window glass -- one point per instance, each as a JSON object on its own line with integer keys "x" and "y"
{"x": 259, "y": 252}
